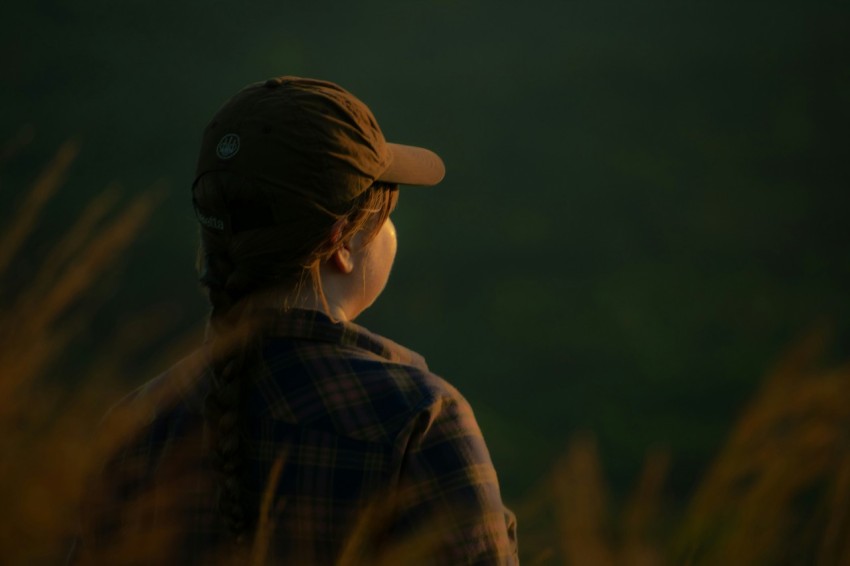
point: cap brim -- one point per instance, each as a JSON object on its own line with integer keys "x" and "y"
{"x": 413, "y": 165}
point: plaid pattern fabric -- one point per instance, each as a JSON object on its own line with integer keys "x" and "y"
{"x": 374, "y": 452}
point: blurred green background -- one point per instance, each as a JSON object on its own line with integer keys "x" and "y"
{"x": 646, "y": 203}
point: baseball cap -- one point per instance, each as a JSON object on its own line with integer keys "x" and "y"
{"x": 311, "y": 137}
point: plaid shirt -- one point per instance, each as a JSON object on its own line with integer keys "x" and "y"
{"x": 374, "y": 451}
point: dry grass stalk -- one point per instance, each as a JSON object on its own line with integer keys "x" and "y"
{"x": 45, "y": 187}
{"x": 587, "y": 530}
{"x": 778, "y": 491}
{"x": 46, "y": 435}
{"x": 582, "y": 508}
{"x": 642, "y": 512}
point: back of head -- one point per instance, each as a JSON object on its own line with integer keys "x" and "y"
{"x": 274, "y": 241}
{"x": 288, "y": 169}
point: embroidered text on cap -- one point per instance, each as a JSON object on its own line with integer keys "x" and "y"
{"x": 227, "y": 146}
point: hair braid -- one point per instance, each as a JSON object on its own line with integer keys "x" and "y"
{"x": 224, "y": 401}
{"x": 223, "y": 407}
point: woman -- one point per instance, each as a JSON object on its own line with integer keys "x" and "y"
{"x": 304, "y": 437}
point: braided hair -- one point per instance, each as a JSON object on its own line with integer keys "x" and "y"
{"x": 253, "y": 266}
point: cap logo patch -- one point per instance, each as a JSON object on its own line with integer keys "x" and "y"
{"x": 227, "y": 146}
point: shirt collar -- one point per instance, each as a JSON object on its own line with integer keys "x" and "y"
{"x": 314, "y": 325}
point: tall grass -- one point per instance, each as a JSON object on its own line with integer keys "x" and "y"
{"x": 48, "y": 418}
{"x": 777, "y": 493}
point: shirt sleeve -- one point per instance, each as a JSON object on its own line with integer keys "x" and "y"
{"x": 448, "y": 492}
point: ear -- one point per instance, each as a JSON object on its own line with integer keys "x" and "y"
{"x": 342, "y": 259}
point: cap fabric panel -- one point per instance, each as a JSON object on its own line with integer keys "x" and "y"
{"x": 310, "y": 137}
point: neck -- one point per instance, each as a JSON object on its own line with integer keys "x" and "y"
{"x": 309, "y": 298}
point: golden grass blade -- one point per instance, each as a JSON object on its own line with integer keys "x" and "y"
{"x": 411, "y": 549}
{"x": 29, "y": 328}
{"x": 23, "y": 359}
{"x": 44, "y": 187}
{"x": 582, "y": 502}
{"x": 642, "y": 511}
{"x": 265, "y": 524}
{"x": 96, "y": 256}
{"x": 67, "y": 247}
{"x": 835, "y": 544}
{"x": 136, "y": 334}
{"x": 790, "y": 441}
